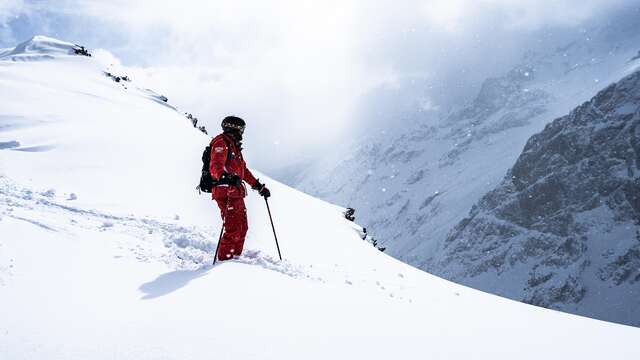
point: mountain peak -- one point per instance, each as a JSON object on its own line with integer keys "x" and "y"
{"x": 40, "y": 47}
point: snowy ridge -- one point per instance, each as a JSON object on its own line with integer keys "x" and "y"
{"x": 38, "y": 48}
{"x": 106, "y": 247}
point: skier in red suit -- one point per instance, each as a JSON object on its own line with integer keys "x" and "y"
{"x": 228, "y": 169}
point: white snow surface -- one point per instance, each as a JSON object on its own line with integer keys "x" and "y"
{"x": 105, "y": 250}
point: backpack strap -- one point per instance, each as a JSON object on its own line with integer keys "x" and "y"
{"x": 227, "y": 142}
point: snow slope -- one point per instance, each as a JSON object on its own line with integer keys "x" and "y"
{"x": 105, "y": 249}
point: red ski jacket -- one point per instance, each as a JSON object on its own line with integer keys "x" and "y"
{"x": 226, "y": 156}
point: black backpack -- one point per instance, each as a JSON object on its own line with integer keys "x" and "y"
{"x": 206, "y": 180}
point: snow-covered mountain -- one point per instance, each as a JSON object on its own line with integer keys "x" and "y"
{"x": 105, "y": 249}
{"x": 411, "y": 188}
{"x": 38, "y": 48}
{"x": 562, "y": 230}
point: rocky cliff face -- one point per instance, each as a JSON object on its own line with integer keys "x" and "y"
{"x": 562, "y": 230}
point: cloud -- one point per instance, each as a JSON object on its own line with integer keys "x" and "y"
{"x": 532, "y": 15}
{"x": 439, "y": 51}
{"x": 9, "y": 9}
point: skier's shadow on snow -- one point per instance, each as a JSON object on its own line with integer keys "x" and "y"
{"x": 170, "y": 282}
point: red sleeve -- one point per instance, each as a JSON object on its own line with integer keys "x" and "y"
{"x": 219, "y": 152}
{"x": 248, "y": 177}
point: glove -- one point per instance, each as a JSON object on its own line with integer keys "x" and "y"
{"x": 262, "y": 189}
{"x": 265, "y": 192}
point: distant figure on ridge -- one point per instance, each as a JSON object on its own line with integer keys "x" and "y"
{"x": 228, "y": 169}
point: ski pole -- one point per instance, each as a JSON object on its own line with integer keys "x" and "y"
{"x": 224, "y": 215}
{"x": 273, "y": 228}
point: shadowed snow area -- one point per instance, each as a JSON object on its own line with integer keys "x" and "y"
{"x": 170, "y": 282}
{"x": 9, "y": 144}
{"x": 106, "y": 250}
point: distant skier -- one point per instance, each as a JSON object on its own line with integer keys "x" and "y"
{"x": 228, "y": 169}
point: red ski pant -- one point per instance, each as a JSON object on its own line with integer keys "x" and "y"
{"x": 234, "y": 217}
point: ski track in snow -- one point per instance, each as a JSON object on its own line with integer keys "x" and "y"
{"x": 187, "y": 247}
{"x": 179, "y": 247}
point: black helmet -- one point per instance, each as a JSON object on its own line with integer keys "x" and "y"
{"x": 233, "y": 123}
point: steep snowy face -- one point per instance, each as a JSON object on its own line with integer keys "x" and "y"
{"x": 410, "y": 189}
{"x": 563, "y": 228}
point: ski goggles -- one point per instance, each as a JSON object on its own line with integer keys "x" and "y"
{"x": 240, "y": 128}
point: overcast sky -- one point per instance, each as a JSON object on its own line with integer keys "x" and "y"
{"x": 305, "y": 74}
